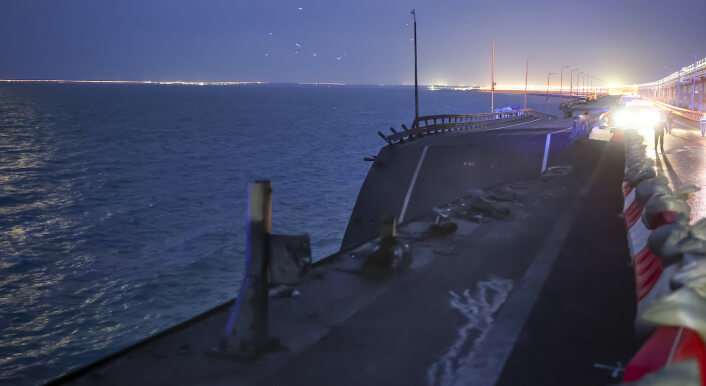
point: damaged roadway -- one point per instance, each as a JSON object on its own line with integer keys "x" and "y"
{"x": 533, "y": 288}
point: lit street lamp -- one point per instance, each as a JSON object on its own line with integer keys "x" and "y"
{"x": 492, "y": 80}
{"x": 678, "y": 85}
{"x": 416, "y": 85}
{"x": 693, "y": 90}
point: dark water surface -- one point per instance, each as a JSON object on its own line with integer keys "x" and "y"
{"x": 122, "y": 207}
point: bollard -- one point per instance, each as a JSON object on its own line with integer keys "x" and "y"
{"x": 389, "y": 255}
{"x": 246, "y": 332}
{"x": 388, "y": 231}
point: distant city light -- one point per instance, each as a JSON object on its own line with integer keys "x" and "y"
{"x": 160, "y": 82}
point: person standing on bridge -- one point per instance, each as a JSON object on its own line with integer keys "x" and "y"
{"x": 669, "y": 122}
{"x": 659, "y": 129}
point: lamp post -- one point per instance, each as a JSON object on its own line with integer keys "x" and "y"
{"x": 583, "y": 89}
{"x": 578, "y": 83}
{"x": 571, "y": 88}
{"x": 492, "y": 79}
{"x": 416, "y": 83}
{"x": 561, "y": 82}
{"x": 549, "y": 76}
{"x": 693, "y": 87}
{"x": 670, "y": 70}
{"x": 592, "y": 89}
{"x": 526, "y": 72}
{"x": 678, "y": 85}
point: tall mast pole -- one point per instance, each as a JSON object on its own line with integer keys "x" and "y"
{"x": 571, "y": 88}
{"x": 561, "y": 83}
{"x": 492, "y": 80}
{"x": 416, "y": 83}
{"x": 693, "y": 89}
{"x": 548, "y": 76}
{"x": 526, "y": 72}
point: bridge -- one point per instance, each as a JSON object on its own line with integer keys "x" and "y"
{"x": 494, "y": 248}
{"x": 683, "y": 88}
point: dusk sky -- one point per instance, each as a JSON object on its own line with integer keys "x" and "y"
{"x": 357, "y": 42}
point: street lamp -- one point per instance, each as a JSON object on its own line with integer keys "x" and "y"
{"x": 678, "y": 85}
{"x": 526, "y": 72}
{"x": 492, "y": 79}
{"x": 670, "y": 70}
{"x": 549, "y": 76}
{"x": 578, "y": 83}
{"x": 693, "y": 90}
{"x": 416, "y": 85}
{"x": 583, "y": 89}
{"x": 561, "y": 82}
{"x": 571, "y": 88}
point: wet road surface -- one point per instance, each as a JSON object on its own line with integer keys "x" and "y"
{"x": 683, "y": 161}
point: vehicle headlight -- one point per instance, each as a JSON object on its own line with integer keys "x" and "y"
{"x": 622, "y": 118}
{"x": 649, "y": 119}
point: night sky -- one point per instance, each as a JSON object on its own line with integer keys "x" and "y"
{"x": 358, "y": 42}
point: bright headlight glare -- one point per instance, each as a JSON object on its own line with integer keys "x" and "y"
{"x": 621, "y": 118}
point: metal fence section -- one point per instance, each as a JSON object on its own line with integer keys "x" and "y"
{"x": 584, "y": 123}
{"x": 436, "y": 124}
{"x": 689, "y": 114}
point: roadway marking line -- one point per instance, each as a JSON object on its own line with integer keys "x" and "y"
{"x": 546, "y": 148}
{"x": 546, "y": 153}
{"x": 484, "y": 364}
{"x": 412, "y": 183}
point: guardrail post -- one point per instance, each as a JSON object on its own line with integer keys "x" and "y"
{"x": 249, "y": 316}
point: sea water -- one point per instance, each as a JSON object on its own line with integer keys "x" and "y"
{"x": 122, "y": 207}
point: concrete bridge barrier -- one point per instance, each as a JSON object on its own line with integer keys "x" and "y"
{"x": 669, "y": 260}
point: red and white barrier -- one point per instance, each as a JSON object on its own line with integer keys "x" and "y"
{"x": 668, "y": 345}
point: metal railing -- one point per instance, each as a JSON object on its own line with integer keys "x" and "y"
{"x": 572, "y": 103}
{"x": 685, "y": 74}
{"x": 435, "y": 124}
{"x": 686, "y": 113}
{"x": 584, "y": 123}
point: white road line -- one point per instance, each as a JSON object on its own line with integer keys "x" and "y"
{"x": 412, "y": 183}
{"x": 546, "y": 153}
{"x": 546, "y": 148}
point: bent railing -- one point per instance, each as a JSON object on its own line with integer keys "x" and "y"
{"x": 435, "y": 124}
{"x": 689, "y": 114}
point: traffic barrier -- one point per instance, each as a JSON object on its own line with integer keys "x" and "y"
{"x": 686, "y": 113}
{"x": 669, "y": 260}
